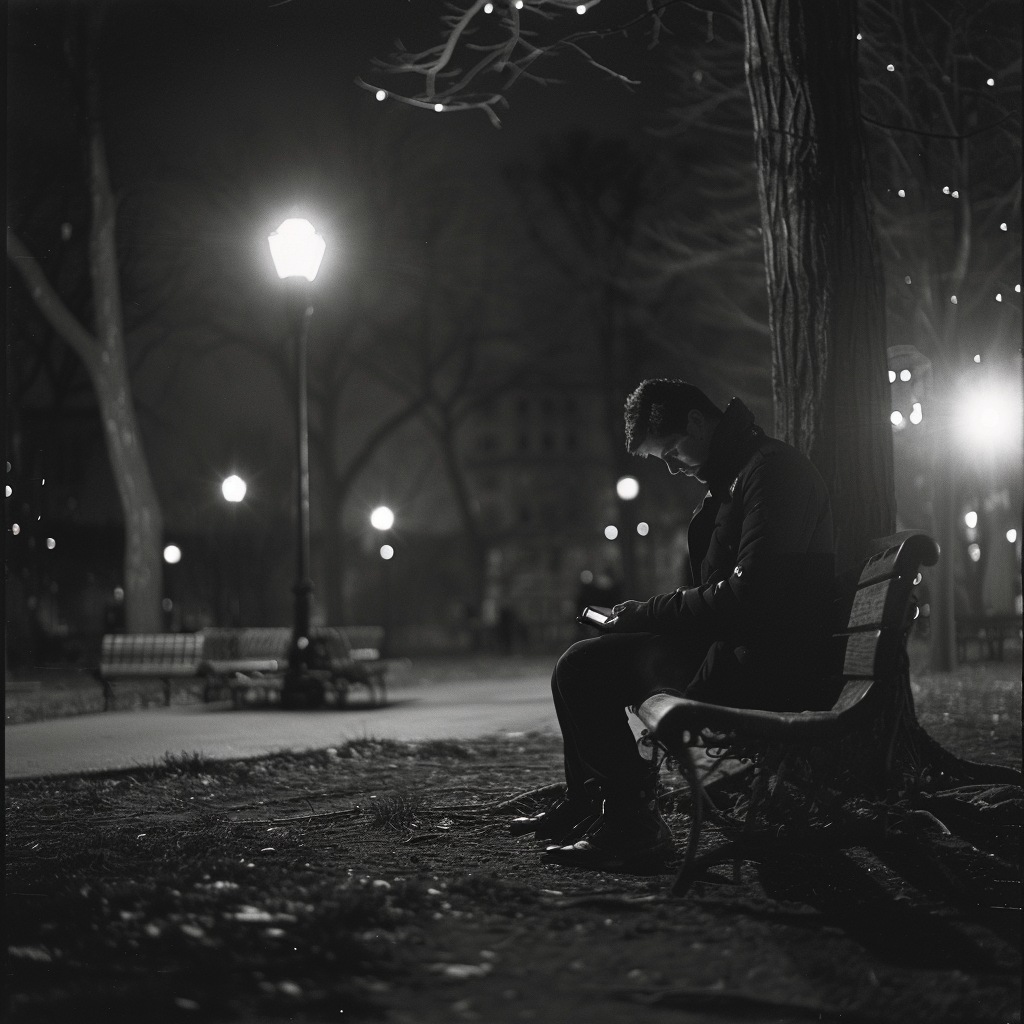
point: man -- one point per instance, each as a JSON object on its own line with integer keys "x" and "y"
{"x": 750, "y": 632}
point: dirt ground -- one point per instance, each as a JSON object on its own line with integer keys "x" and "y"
{"x": 377, "y": 880}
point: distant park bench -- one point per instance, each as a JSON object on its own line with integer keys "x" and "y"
{"x": 159, "y": 657}
{"x": 989, "y": 632}
{"x": 874, "y": 611}
{"x": 250, "y": 663}
{"x": 246, "y": 664}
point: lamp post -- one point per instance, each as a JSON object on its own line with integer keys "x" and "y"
{"x": 233, "y": 489}
{"x": 382, "y": 519}
{"x": 297, "y": 250}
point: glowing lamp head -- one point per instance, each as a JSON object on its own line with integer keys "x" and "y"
{"x": 627, "y": 487}
{"x": 297, "y": 249}
{"x": 172, "y": 554}
{"x": 989, "y": 419}
{"x": 233, "y": 489}
{"x": 382, "y": 518}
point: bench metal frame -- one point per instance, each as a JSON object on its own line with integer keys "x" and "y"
{"x": 874, "y": 611}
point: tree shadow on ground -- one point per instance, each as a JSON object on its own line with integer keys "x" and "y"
{"x": 893, "y": 928}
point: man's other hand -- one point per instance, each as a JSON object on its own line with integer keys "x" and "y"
{"x": 629, "y": 617}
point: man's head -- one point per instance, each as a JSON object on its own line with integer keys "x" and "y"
{"x": 673, "y": 421}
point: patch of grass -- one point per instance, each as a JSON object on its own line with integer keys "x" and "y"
{"x": 398, "y": 811}
{"x": 441, "y": 749}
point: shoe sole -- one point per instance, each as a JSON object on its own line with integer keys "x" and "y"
{"x": 601, "y": 860}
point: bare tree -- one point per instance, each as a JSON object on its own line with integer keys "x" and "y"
{"x": 102, "y": 351}
{"x": 942, "y": 95}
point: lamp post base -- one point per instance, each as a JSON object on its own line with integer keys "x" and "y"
{"x": 302, "y": 689}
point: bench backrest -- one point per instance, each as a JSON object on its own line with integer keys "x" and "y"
{"x": 226, "y": 643}
{"x": 151, "y": 649}
{"x": 874, "y": 605}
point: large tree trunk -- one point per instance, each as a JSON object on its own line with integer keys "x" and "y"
{"x": 825, "y": 286}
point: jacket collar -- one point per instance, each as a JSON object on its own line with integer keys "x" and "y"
{"x": 735, "y": 439}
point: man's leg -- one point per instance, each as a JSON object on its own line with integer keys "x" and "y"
{"x": 593, "y": 683}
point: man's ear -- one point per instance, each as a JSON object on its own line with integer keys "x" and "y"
{"x": 696, "y": 424}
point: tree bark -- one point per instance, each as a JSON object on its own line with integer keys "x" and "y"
{"x": 104, "y": 356}
{"x": 825, "y": 285}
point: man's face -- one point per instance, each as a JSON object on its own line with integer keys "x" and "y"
{"x": 681, "y": 452}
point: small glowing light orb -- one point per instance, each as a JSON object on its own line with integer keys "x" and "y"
{"x": 439, "y": 107}
{"x": 945, "y": 190}
{"x": 387, "y": 552}
{"x": 382, "y": 518}
{"x": 971, "y": 520}
{"x": 1003, "y": 227}
{"x": 892, "y": 376}
{"x": 896, "y": 418}
{"x": 902, "y": 194}
{"x": 999, "y": 296}
{"x": 1016, "y": 288}
{"x": 8, "y": 491}
{"x": 50, "y": 543}
{"x": 488, "y": 8}
{"x": 627, "y": 488}
{"x": 1011, "y": 536}
{"x": 611, "y": 532}
{"x": 907, "y": 279}
{"x": 233, "y": 488}
{"x": 519, "y": 5}
{"x": 955, "y": 194}
{"x": 381, "y": 95}
{"x": 859, "y": 37}
{"x": 167, "y": 604}
{"x": 990, "y": 81}
{"x": 890, "y": 67}
{"x": 916, "y": 414}
{"x": 974, "y": 552}
{"x": 118, "y": 593}
{"x": 586, "y": 576}
{"x": 15, "y": 529}
{"x": 581, "y": 8}
{"x": 904, "y": 375}
{"x": 296, "y": 249}
{"x": 172, "y": 554}
{"x": 977, "y": 358}
{"x": 952, "y": 299}
{"x": 643, "y": 529}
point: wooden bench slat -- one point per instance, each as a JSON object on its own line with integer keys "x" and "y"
{"x": 880, "y": 605}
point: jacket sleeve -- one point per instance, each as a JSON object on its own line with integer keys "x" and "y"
{"x": 785, "y": 516}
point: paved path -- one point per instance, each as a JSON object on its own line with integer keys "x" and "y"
{"x": 128, "y": 739}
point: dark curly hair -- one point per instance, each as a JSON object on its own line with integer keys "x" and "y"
{"x": 661, "y": 407}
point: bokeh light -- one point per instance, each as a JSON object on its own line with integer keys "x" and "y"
{"x": 611, "y": 532}
{"x": 974, "y": 552}
{"x": 382, "y": 518}
{"x": 643, "y": 529}
{"x": 586, "y": 576}
{"x": 387, "y": 552}
{"x": 233, "y": 488}
{"x": 172, "y": 554}
{"x": 1011, "y": 536}
{"x": 971, "y": 519}
{"x": 627, "y": 487}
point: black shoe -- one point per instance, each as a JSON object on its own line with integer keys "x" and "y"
{"x": 561, "y": 822}
{"x": 630, "y": 834}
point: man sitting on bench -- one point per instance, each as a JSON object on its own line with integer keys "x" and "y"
{"x": 751, "y": 632}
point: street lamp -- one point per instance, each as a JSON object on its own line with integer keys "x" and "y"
{"x": 297, "y": 250}
{"x": 382, "y": 519}
{"x": 233, "y": 488}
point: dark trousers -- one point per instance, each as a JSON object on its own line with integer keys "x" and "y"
{"x": 595, "y": 681}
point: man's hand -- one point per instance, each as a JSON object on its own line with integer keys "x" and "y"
{"x": 629, "y": 617}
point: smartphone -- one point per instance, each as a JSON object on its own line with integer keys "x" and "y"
{"x": 596, "y": 616}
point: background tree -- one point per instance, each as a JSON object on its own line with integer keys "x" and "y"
{"x": 102, "y": 350}
{"x": 942, "y": 94}
{"x": 825, "y": 297}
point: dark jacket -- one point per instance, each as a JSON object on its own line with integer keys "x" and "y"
{"x": 762, "y": 541}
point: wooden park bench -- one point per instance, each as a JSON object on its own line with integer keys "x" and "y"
{"x": 810, "y": 767}
{"x": 989, "y": 632}
{"x": 250, "y": 663}
{"x": 162, "y": 657}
